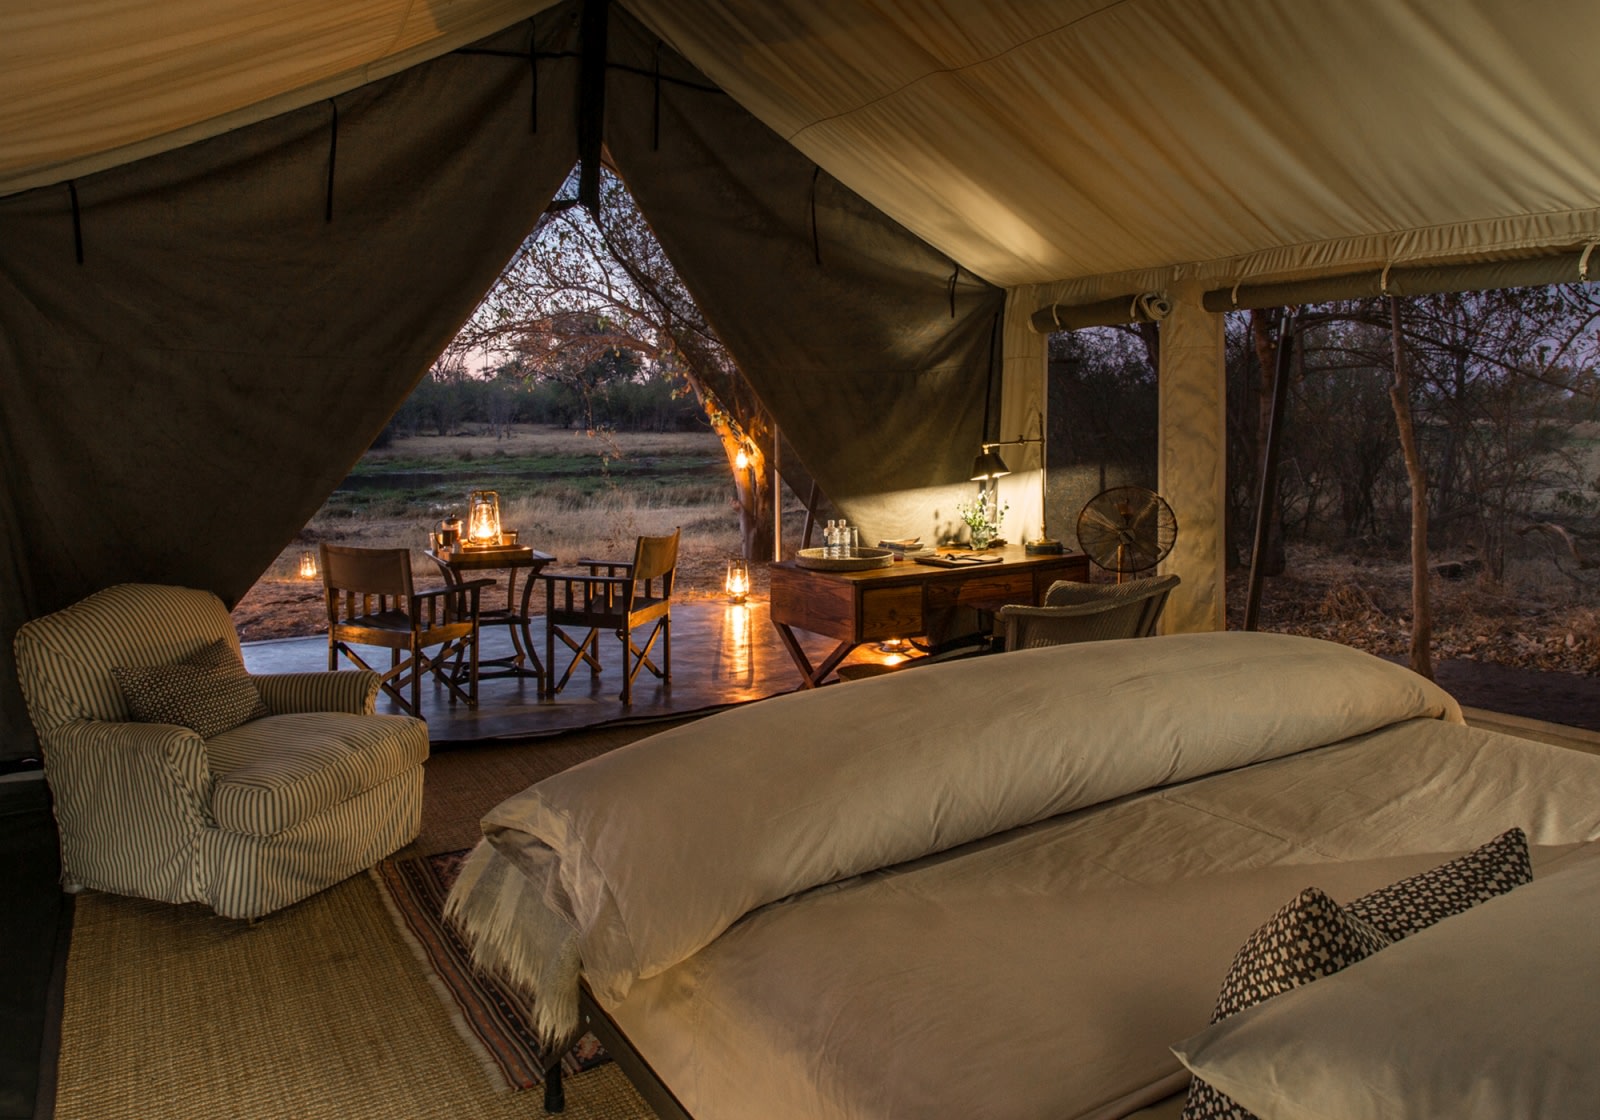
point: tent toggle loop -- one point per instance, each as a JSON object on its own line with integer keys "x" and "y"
{"x": 1383, "y": 279}
{"x": 1583, "y": 262}
{"x": 1149, "y": 307}
{"x": 1136, "y": 307}
{"x": 1235, "y": 294}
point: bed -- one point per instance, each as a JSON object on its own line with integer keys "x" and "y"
{"x": 1006, "y": 887}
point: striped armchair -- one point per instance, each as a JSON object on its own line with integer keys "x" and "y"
{"x": 247, "y": 821}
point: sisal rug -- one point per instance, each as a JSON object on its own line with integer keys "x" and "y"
{"x": 321, "y": 1011}
{"x": 496, "y": 1020}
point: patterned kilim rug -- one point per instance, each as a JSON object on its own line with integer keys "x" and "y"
{"x": 495, "y": 1019}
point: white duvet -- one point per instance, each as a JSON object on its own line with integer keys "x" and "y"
{"x": 637, "y": 860}
{"x": 999, "y": 888}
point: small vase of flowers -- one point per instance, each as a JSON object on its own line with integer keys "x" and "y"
{"x": 983, "y": 519}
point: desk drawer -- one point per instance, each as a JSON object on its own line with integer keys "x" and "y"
{"x": 987, "y": 592}
{"x": 820, "y": 606}
{"x": 890, "y": 612}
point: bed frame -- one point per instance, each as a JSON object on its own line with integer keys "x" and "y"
{"x": 650, "y": 1086}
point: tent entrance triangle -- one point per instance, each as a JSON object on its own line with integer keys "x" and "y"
{"x": 591, "y": 302}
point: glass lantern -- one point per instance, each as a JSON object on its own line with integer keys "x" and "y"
{"x": 738, "y": 582}
{"x": 483, "y": 518}
{"x": 308, "y": 565}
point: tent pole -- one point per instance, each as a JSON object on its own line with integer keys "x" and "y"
{"x": 1414, "y": 280}
{"x": 1267, "y": 491}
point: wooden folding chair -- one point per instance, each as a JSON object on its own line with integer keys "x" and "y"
{"x": 371, "y": 602}
{"x": 613, "y": 595}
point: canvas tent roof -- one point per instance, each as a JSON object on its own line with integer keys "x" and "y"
{"x": 1033, "y": 141}
{"x": 241, "y": 229}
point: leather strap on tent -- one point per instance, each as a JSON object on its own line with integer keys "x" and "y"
{"x": 591, "y": 100}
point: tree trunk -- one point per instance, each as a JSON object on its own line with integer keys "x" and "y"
{"x": 1417, "y": 476}
{"x": 752, "y": 491}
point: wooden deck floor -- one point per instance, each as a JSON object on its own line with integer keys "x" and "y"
{"x": 722, "y": 654}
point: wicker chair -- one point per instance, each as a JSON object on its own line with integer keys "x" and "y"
{"x": 1088, "y": 612}
{"x": 243, "y": 792}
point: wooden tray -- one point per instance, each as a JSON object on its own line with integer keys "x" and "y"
{"x": 864, "y": 559}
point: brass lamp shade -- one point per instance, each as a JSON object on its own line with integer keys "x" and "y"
{"x": 988, "y": 465}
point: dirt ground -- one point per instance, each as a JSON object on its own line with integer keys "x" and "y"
{"x": 1491, "y": 649}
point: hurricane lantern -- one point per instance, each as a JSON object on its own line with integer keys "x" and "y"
{"x": 738, "y": 582}
{"x": 483, "y": 518}
{"x": 308, "y": 565}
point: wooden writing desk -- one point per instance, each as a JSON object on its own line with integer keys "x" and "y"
{"x": 902, "y": 601}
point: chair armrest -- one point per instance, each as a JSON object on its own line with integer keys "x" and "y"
{"x": 112, "y": 782}
{"x": 582, "y": 577}
{"x": 1080, "y": 622}
{"x": 348, "y": 690}
{"x": 566, "y": 590}
{"x": 472, "y": 586}
{"x": 612, "y": 567}
{"x": 459, "y": 600}
{"x": 1067, "y": 610}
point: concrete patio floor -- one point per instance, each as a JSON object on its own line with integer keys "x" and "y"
{"x": 722, "y": 654}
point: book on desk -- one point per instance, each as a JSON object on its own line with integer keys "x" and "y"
{"x": 959, "y": 559}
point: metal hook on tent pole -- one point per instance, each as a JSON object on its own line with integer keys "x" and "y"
{"x": 1583, "y": 262}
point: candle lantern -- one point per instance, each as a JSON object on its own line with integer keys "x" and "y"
{"x": 308, "y": 565}
{"x": 738, "y": 582}
{"x": 483, "y": 518}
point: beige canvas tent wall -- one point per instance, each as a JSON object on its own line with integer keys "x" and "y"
{"x": 1065, "y": 151}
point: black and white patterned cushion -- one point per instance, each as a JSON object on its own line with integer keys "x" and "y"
{"x": 209, "y": 691}
{"x": 1312, "y": 937}
{"x": 1414, "y": 904}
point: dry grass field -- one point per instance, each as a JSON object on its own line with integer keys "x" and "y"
{"x": 569, "y": 493}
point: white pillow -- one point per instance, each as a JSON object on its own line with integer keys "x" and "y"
{"x": 1491, "y": 1013}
